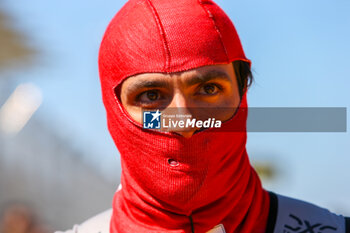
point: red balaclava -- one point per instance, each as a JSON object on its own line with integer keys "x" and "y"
{"x": 171, "y": 183}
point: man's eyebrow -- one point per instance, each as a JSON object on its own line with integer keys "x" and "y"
{"x": 210, "y": 75}
{"x": 148, "y": 84}
{"x": 199, "y": 78}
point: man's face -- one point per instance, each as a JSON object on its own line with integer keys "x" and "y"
{"x": 210, "y": 90}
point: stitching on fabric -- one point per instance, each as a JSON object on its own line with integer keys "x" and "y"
{"x": 210, "y": 15}
{"x": 162, "y": 33}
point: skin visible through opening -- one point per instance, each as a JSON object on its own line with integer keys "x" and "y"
{"x": 211, "y": 90}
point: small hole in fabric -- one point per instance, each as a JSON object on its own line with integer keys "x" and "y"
{"x": 173, "y": 162}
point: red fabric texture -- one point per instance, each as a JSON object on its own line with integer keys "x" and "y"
{"x": 213, "y": 182}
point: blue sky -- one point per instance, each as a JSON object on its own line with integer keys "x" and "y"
{"x": 300, "y": 53}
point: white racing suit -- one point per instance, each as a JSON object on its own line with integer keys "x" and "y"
{"x": 286, "y": 215}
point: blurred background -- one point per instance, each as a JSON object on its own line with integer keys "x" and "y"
{"x": 58, "y": 164}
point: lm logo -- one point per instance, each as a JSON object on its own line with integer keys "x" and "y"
{"x": 151, "y": 119}
{"x": 304, "y": 226}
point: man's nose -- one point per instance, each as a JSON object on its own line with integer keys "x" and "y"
{"x": 180, "y": 106}
{"x": 179, "y": 101}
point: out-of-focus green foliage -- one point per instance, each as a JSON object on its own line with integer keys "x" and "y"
{"x": 266, "y": 171}
{"x": 14, "y": 50}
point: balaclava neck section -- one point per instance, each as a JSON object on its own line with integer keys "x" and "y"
{"x": 213, "y": 181}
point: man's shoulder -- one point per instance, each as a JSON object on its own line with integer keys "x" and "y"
{"x": 293, "y": 215}
{"x": 96, "y": 224}
{"x": 286, "y": 215}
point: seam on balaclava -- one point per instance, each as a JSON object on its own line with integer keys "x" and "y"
{"x": 211, "y": 16}
{"x": 162, "y": 33}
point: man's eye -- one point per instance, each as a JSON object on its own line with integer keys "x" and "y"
{"x": 209, "y": 89}
{"x": 149, "y": 96}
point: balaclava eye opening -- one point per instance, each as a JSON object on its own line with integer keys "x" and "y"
{"x": 213, "y": 182}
